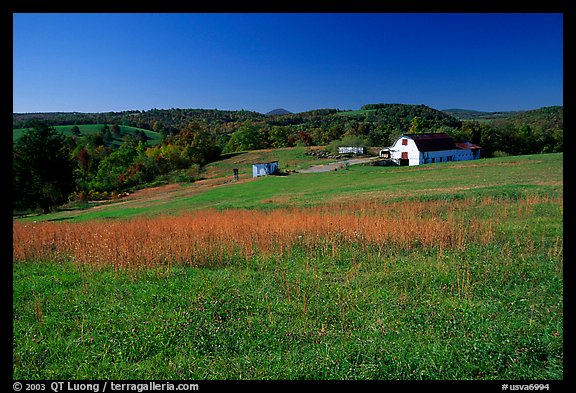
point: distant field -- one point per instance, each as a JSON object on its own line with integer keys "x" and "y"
{"x": 291, "y": 159}
{"x": 450, "y": 271}
{"x": 359, "y": 112}
{"x": 86, "y": 129}
{"x": 507, "y": 177}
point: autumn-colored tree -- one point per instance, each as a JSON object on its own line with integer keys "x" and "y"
{"x": 417, "y": 125}
{"x": 199, "y": 144}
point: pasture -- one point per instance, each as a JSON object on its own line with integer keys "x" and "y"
{"x": 87, "y": 129}
{"x": 441, "y": 272}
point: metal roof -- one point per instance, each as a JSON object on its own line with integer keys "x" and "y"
{"x": 432, "y": 141}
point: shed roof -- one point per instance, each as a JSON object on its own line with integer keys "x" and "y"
{"x": 432, "y": 141}
{"x": 265, "y": 163}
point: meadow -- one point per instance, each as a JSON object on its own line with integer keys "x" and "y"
{"x": 497, "y": 177}
{"x": 88, "y": 129}
{"x": 452, "y": 272}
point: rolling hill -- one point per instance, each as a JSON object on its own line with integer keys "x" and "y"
{"x": 495, "y": 177}
{"x": 153, "y": 138}
{"x": 468, "y": 114}
{"x": 279, "y": 111}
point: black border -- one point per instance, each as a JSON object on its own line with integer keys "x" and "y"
{"x": 419, "y": 6}
{"x": 408, "y": 6}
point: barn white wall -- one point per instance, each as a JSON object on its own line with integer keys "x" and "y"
{"x": 416, "y": 157}
{"x": 413, "y": 153}
{"x": 446, "y": 155}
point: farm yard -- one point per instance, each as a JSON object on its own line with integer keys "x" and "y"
{"x": 449, "y": 271}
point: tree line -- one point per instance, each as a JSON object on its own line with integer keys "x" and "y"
{"x": 50, "y": 169}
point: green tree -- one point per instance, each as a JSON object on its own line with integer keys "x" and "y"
{"x": 247, "y": 137}
{"x": 107, "y": 135}
{"x": 199, "y": 144}
{"x": 380, "y": 135}
{"x": 116, "y": 131}
{"x": 279, "y": 136}
{"x": 459, "y": 135}
{"x": 112, "y": 169}
{"x": 334, "y": 132}
{"x": 417, "y": 125}
{"x": 43, "y": 170}
{"x": 75, "y": 131}
{"x": 528, "y": 142}
{"x": 491, "y": 140}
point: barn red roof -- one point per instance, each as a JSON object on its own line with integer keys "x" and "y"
{"x": 433, "y": 141}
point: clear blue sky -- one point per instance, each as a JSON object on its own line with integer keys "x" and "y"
{"x": 114, "y": 62}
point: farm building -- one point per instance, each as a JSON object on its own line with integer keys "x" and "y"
{"x": 264, "y": 168}
{"x": 351, "y": 150}
{"x": 417, "y": 149}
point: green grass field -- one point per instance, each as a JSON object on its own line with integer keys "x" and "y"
{"x": 507, "y": 176}
{"x": 87, "y": 129}
{"x": 487, "y": 309}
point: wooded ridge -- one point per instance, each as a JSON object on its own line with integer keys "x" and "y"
{"x": 110, "y": 152}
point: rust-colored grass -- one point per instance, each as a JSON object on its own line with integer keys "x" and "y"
{"x": 215, "y": 238}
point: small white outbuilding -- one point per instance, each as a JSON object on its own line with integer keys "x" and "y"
{"x": 264, "y": 168}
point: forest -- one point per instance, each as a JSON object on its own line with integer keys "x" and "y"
{"x": 50, "y": 169}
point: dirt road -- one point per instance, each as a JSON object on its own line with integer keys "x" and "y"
{"x": 333, "y": 166}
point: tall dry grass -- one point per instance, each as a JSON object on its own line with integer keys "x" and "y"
{"x": 212, "y": 238}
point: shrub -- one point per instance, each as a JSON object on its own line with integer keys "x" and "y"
{"x": 499, "y": 153}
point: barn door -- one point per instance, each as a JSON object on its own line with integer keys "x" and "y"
{"x": 404, "y": 159}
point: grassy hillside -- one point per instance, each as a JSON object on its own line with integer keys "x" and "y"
{"x": 467, "y": 114}
{"x": 356, "y": 113}
{"x": 547, "y": 118}
{"x": 508, "y": 176}
{"x": 450, "y": 271}
{"x": 87, "y": 129}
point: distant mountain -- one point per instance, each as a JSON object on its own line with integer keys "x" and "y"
{"x": 279, "y": 111}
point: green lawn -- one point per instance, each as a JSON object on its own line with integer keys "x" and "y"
{"x": 360, "y": 112}
{"x": 508, "y": 177}
{"x": 489, "y": 310}
{"x": 87, "y": 129}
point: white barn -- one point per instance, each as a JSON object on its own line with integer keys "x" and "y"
{"x": 417, "y": 149}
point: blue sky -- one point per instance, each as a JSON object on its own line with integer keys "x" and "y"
{"x": 114, "y": 62}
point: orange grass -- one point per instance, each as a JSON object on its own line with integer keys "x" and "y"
{"x": 215, "y": 238}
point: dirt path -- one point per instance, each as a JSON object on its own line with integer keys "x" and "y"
{"x": 333, "y": 166}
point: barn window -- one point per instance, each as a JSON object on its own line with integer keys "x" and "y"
{"x": 404, "y": 142}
